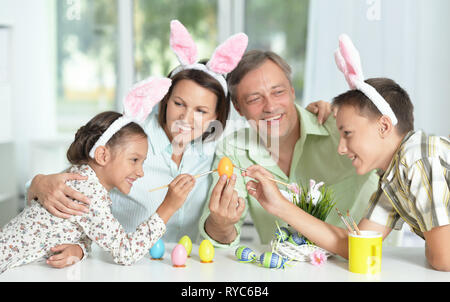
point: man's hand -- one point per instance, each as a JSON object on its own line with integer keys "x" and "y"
{"x": 322, "y": 109}
{"x": 226, "y": 208}
{"x": 55, "y": 196}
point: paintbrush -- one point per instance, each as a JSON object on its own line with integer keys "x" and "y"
{"x": 195, "y": 176}
{"x": 353, "y": 222}
{"x": 345, "y": 222}
{"x": 272, "y": 179}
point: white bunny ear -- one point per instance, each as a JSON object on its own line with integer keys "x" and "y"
{"x": 227, "y": 55}
{"x": 312, "y": 182}
{"x": 182, "y": 43}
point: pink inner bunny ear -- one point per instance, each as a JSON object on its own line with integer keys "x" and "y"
{"x": 140, "y": 101}
{"x": 182, "y": 43}
{"x": 227, "y": 55}
{"x": 351, "y": 57}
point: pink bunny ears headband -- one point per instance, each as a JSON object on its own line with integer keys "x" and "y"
{"x": 349, "y": 63}
{"x": 138, "y": 103}
{"x": 224, "y": 59}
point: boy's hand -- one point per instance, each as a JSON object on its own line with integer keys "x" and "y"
{"x": 264, "y": 190}
{"x": 67, "y": 254}
{"x": 322, "y": 109}
{"x": 55, "y": 196}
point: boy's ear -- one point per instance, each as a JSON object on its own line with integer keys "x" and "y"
{"x": 385, "y": 126}
{"x": 102, "y": 155}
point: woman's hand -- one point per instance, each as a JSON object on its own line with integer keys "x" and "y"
{"x": 263, "y": 189}
{"x": 55, "y": 196}
{"x": 322, "y": 109}
{"x": 67, "y": 254}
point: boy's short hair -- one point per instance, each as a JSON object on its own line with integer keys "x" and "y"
{"x": 395, "y": 95}
{"x": 251, "y": 60}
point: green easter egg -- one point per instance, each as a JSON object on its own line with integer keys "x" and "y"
{"x": 187, "y": 243}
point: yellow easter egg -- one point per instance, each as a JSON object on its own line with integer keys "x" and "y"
{"x": 206, "y": 251}
{"x": 187, "y": 243}
{"x": 225, "y": 167}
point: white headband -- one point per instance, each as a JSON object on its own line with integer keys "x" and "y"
{"x": 138, "y": 103}
{"x": 349, "y": 63}
{"x": 224, "y": 59}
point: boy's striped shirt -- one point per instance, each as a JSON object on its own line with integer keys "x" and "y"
{"x": 415, "y": 187}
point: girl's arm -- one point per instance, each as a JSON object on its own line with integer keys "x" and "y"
{"x": 126, "y": 248}
{"x": 101, "y": 226}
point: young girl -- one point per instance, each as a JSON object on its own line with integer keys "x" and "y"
{"x": 109, "y": 151}
{"x": 376, "y": 122}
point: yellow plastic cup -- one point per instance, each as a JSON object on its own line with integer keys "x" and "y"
{"x": 364, "y": 252}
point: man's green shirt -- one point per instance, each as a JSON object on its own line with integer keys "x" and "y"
{"x": 315, "y": 157}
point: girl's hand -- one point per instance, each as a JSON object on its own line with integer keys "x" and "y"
{"x": 178, "y": 191}
{"x": 264, "y": 190}
{"x": 67, "y": 254}
{"x": 55, "y": 196}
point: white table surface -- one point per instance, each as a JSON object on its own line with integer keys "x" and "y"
{"x": 404, "y": 264}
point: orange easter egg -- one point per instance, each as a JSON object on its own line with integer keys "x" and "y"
{"x": 225, "y": 167}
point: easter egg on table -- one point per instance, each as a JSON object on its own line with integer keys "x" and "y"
{"x": 157, "y": 250}
{"x": 245, "y": 254}
{"x": 272, "y": 260}
{"x": 187, "y": 243}
{"x": 206, "y": 251}
{"x": 225, "y": 167}
{"x": 179, "y": 256}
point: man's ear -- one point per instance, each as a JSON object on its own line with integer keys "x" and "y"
{"x": 102, "y": 155}
{"x": 385, "y": 127}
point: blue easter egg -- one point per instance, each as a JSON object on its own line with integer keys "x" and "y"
{"x": 282, "y": 234}
{"x": 157, "y": 250}
{"x": 296, "y": 239}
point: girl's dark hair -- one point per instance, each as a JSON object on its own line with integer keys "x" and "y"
{"x": 395, "y": 95}
{"x": 87, "y": 136}
{"x": 206, "y": 81}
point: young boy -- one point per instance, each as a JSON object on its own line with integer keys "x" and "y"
{"x": 413, "y": 168}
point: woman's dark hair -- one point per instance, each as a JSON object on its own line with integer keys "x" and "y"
{"x": 87, "y": 136}
{"x": 206, "y": 81}
{"x": 397, "y": 98}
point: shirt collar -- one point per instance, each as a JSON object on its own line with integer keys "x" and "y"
{"x": 390, "y": 171}
{"x": 157, "y": 138}
{"x": 308, "y": 126}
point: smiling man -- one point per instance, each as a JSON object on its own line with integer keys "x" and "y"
{"x": 285, "y": 139}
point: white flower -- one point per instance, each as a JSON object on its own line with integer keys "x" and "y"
{"x": 314, "y": 194}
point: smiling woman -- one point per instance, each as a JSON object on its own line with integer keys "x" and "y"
{"x": 196, "y": 99}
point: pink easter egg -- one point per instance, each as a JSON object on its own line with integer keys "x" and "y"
{"x": 179, "y": 256}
